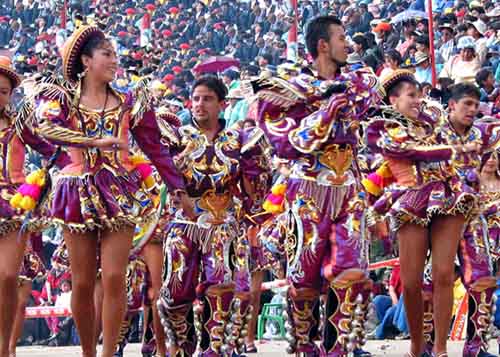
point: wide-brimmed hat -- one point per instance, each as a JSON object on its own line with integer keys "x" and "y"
{"x": 480, "y": 26}
{"x": 72, "y": 48}
{"x": 421, "y": 57}
{"x": 388, "y": 81}
{"x": 7, "y": 70}
{"x": 447, "y": 26}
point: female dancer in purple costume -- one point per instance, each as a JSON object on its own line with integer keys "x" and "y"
{"x": 100, "y": 197}
{"x": 12, "y": 244}
{"x": 428, "y": 205}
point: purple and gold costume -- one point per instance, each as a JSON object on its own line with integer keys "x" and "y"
{"x": 136, "y": 289}
{"x": 314, "y": 124}
{"x": 474, "y": 252}
{"x": 101, "y": 189}
{"x": 427, "y": 180}
{"x": 208, "y": 258}
{"x": 490, "y": 202}
{"x": 32, "y": 266}
{"x": 13, "y": 143}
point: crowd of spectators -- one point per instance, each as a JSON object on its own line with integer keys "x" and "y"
{"x": 166, "y": 38}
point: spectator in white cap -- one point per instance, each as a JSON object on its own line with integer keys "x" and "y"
{"x": 423, "y": 71}
{"x": 464, "y": 66}
{"x": 477, "y": 31}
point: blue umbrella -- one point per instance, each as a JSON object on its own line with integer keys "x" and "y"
{"x": 409, "y": 15}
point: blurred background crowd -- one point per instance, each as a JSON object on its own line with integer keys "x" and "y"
{"x": 168, "y": 38}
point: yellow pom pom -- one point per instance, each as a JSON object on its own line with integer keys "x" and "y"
{"x": 371, "y": 188}
{"x": 272, "y": 208}
{"x": 40, "y": 181}
{"x": 137, "y": 159}
{"x": 266, "y": 205}
{"x": 149, "y": 182}
{"x": 384, "y": 170}
{"x": 15, "y": 201}
{"x": 279, "y": 189}
{"x": 28, "y": 203}
{"x": 36, "y": 178}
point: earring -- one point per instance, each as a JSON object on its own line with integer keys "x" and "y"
{"x": 83, "y": 74}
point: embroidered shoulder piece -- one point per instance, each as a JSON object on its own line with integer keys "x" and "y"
{"x": 494, "y": 138}
{"x": 54, "y": 89}
{"x": 142, "y": 101}
{"x": 279, "y": 92}
{"x": 434, "y": 111}
{"x": 168, "y": 122}
{"x": 255, "y": 136}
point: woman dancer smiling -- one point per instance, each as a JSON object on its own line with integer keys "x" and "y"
{"x": 100, "y": 197}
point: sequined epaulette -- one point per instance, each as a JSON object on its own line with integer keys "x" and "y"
{"x": 256, "y": 136}
{"x": 166, "y": 115}
{"x": 167, "y": 122}
{"x": 434, "y": 111}
{"x": 142, "y": 100}
{"x": 52, "y": 87}
{"x": 278, "y": 91}
{"x": 492, "y": 129}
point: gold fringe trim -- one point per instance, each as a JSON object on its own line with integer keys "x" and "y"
{"x": 327, "y": 199}
{"x": 464, "y": 206}
{"x": 114, "y": 224}
{"x": 9, "y": 225}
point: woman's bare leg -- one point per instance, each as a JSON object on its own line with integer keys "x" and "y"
{"x": 115, "y": 250}
{"x": 255, "y": 293}
{"x": 82, "y": 251}
{"x": 98, "y": 298}
{"x": 23, "y": 294}
{"x": 12, "y": 249}
{"x": 413, "y": 247}
{"x": 446, "y": 232}
{"x": 153, "y": 256}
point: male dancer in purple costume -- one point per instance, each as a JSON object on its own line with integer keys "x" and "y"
{"x": 313, "y": 122}
{"x": 227, "y": 175}
{"x": 459, "y": 128}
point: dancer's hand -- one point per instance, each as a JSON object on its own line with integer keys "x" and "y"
{"x": 110, "y": 143}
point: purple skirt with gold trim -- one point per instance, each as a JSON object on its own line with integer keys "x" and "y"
{"x": 420, "y": 205}
{"x": 103, "y": 200}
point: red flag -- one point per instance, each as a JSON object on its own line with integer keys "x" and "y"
{"x": 63, "y": 14}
